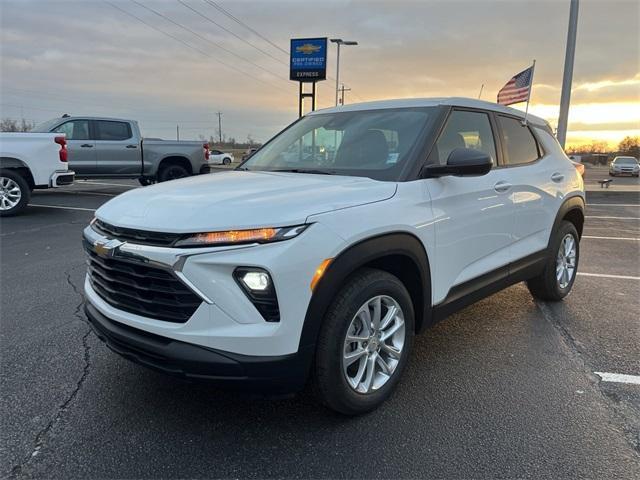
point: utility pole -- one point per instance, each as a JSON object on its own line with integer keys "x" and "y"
{"x": 338, "y": 42}
{"x": 177, "y": 132}
{"x": 342, "y": 90}
{"x": 220, "y": 126}
{"x": 565, "y": 98}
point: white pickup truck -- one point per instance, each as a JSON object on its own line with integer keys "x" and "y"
{"x": 30, "y": 161}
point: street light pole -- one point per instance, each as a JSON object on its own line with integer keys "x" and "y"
{"x": 567, "y": 78}
{"x": 338, "y": 42}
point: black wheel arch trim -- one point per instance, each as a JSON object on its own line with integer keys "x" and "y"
{"x": 357, "y": 256}
{"x": 574, "y": 202}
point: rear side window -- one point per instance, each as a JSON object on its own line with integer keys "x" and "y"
{"x": 521, "y": 146}
{"x": 466, "y": 130}
{"x": 109, "y": 130}
{"x": 74, "y": 129}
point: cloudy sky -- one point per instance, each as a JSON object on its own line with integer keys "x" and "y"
{"x": 91, "y": 58}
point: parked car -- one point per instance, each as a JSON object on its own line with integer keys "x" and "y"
{"x": 218, "y": 157}
{"x": 624, "y": 166}
{"x": 30, "y": 161}
{"x": 114, "y": 148}
{"x": 328, "y": 271}
{"x": 248, "y": 153}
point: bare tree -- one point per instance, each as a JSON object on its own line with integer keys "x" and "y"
{"x": 630, "y": 146}
{"x": 11, "y": 125}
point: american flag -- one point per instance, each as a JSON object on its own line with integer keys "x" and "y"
{"x": 517, "y": 89}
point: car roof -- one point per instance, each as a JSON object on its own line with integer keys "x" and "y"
{"x": 433, "y": 102}
{"x": 88, "y": 117}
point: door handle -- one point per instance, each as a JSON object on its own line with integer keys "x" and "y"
{"x": 557, "y": 177}
{"x": 501, "y": 187}
{"x": 86, "y": 145}
{"x": 131, "y": 146}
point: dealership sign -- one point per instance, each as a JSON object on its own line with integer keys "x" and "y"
{"x": 308, "y": 59}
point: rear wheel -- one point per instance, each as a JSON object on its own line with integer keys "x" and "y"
{"x": 226, "y": 161}
{"x": 556, "y": 280}
{"x": 14, "y": 193}
{"x": 364, "y": 342}
{"x": 172, "y": 172}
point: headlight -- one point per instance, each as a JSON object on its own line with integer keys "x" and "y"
{"x": 234, "y": 237}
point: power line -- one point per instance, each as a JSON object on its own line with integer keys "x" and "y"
{"x": 231, "y": 32}
{"x": 205, "y": 39}
{"x": 188, "y": 45}
{"x": 237, "y": 20}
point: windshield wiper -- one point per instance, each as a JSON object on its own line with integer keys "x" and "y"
{"x": 304, "y": 170}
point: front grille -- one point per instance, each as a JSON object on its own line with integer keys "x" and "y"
{"x": 141, "y": 289}
{"x": 144, "y": 237}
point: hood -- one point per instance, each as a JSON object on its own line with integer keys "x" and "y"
{"x": 239, "y": 200}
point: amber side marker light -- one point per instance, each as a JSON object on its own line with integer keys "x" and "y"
{"x": 320, "y": 272}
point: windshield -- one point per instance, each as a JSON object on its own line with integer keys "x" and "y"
{"x": 45, "y": 127}
{"x": 374, "y": 143}
{"x": 625, "y": 161}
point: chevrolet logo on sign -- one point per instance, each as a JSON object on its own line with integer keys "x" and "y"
{"x": 308, "y": 48}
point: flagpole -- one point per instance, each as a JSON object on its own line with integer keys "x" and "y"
{"x": 526, "y": 112}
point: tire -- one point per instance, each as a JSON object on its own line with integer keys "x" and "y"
{"x": 547, "y": 285}
{"x": 172, "y": 172}
{"x": 15, "y": 193}
{"x": 331, "y": 372}
{"x": 226, "y": 161}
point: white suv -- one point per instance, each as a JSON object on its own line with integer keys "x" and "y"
{"x": 323, "y": 254}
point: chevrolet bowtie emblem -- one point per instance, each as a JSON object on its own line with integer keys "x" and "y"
{"x": 308, "y": 48}
{"x": 106, "y": 249}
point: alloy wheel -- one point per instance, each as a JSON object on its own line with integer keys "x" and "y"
{"x": 10, "y": 193}
{"x": 566, "y": 261}
{"x": 373, "y": 344}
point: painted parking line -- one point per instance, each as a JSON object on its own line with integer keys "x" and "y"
{"x": 619, "y": 378}
{"x": 613, "y": 204}
{"x": 606, "y": 275}
{"x": 108, "y": 184}
{"x": 594, "y": 237}
{"x": 612, "y": 218}
{"x": 62, "y": 207}
{"x": 78, "y": 192}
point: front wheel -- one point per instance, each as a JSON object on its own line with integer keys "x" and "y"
{"x": 556, "y": 280}
{"x": 364, "y": 342}
{"x": 226, "y": 161}
{"x": 14, "y": 193}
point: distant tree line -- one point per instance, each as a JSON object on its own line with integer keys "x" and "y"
{"x": 628, "y": 146}
{"x": 231, "y": 143}
{"x": 11, "y": 125}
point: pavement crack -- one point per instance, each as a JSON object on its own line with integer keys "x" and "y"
{"x": 625, "y": 414}
{"x": 42, "y": 435}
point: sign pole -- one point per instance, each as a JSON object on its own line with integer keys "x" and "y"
{"x": 567, "y": 77}
{"x": 308, "y": 64}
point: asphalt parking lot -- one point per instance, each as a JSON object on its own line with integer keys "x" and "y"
{"x": 505, "y": 388}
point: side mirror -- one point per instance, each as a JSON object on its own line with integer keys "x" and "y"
{"x": 462, "y": 162}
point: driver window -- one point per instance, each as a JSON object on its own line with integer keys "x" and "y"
{"x": 466, "y": 130}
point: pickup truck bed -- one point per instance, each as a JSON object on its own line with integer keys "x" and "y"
{"x": 29, "y": 161}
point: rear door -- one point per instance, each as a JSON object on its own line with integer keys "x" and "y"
{"x": 538, "y": 184}
{"x": 80, "y": 145}
{"x": 118, "y": 151}
{"x": 473, "y": 215}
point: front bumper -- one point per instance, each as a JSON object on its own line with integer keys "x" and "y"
{"x": 281, "y": 374}
{"x": 226, "y": 320}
